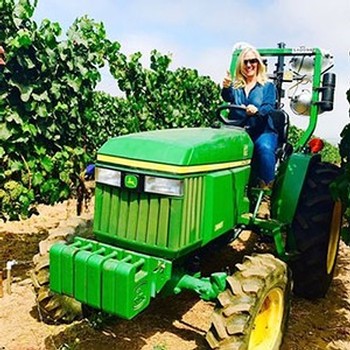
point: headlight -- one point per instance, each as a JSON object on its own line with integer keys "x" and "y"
{"x": 300, "y": 104}
{"x": 162, "y": 185}
{"x": 108, "y": 176}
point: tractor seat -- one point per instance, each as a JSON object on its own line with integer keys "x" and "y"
{"x": 280, "y": 121}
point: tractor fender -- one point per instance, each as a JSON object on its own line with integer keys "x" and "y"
{"x": 288, "y": 186}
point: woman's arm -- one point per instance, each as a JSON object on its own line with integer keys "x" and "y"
{"x": 269, "y": 99}
{"x": 228, "y": 95}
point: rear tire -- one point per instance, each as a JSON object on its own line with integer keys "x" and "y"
{"x": 316, "y": 227}
{"x": 252, "y": 312}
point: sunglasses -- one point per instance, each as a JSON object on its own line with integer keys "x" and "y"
{"x": 251, "y": 61}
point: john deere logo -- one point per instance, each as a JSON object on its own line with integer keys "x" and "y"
{"x": 140, "y": 296}
{"x": 131, "y": 181}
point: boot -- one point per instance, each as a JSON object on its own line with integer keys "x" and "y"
{"x": 266, "y": 187}
{"x": 264, "y": 209}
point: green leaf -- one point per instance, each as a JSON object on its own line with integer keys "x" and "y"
{"x": 25, "y": 202}
{"x": 37, "y": 179}
{"x": 30, "y": 128}
{"x": 56, "y": 28}
{"x": 56, "y": 89}
{"x": 74, "y": 83}
{"x": 29, "y": 63}
{"x": 40, "y": 150}
{"x": 5, "y": 134}
{"x": 65, "y": 192}
{"x": 15, "y": 165}
{"x": 47, "y": 163}
{"x": 41, "y": 97}
{"x": 22, "y": 39}
{"x": 79, "y": 151}
{"x": 64, "y": 176}
{"x": 24, "y": 9}
{"x": 61, "y": 107}
{"x": 42, "y": 111}
{"x": 26, "y": 91}
{"x": 13, "y": 116}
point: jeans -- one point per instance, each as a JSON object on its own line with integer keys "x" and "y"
{"x": 265, "y": 146}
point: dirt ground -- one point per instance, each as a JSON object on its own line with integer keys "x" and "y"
{"x": 174, "y": 323}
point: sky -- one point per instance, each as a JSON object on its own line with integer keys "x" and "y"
{"x": 201, "y": 34}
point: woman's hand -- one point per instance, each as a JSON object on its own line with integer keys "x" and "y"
{"x": 251, "y": 110}
{"x": 227, "y": 82}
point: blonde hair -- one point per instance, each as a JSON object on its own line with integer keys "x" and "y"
{"x": 240, "y": 80}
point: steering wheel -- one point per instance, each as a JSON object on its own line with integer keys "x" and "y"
{"x": 232, "y": 122}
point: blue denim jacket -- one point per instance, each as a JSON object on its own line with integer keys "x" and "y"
{"x": 261, "y": 96}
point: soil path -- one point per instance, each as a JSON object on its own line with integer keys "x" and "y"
{"x": 174, "y": 323}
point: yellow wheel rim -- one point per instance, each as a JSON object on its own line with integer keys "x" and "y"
{"x": 268, "y": 322}
{"x": 334, "y": 236}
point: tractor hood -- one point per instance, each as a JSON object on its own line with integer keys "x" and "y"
{"x": 179, "y": 147}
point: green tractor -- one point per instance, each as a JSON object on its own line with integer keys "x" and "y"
{"x": 164, "y": 198}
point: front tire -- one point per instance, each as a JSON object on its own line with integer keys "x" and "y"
{"x": 52, "y": 308}
{"x": 316, "y": 228}
{"x": 252, "y": 312}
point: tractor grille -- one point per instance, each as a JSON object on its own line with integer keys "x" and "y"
{"x": 155, "y": 220}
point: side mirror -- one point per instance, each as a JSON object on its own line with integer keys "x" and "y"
{"x": 327, "y": 92}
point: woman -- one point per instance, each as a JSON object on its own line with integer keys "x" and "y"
{"x": 252, "y": 91}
